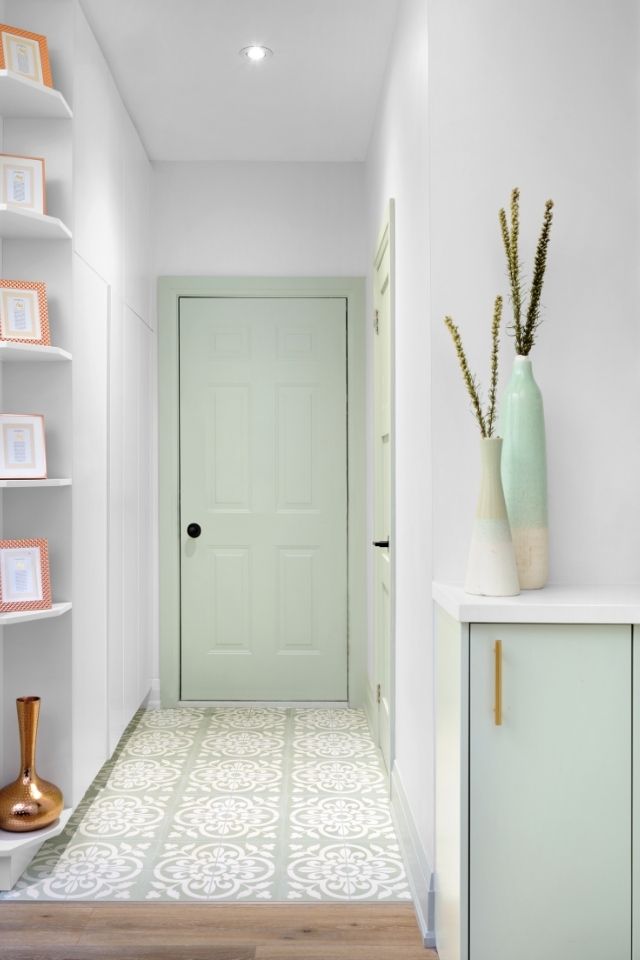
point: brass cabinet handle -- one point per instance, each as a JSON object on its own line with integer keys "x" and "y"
{"x": 497, "y": 707}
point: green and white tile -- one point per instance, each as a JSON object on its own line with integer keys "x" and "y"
{"x": 224, "y": 804}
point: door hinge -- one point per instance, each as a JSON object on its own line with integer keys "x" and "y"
{"x": 378, "y": 697}
{"x": 376, "y": 321}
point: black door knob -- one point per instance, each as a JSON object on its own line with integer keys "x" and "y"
{"x": 194, "y": 530}
{"x": 381, "y": 543}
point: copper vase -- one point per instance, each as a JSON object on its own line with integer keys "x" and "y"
{"x": 29, "y": 803}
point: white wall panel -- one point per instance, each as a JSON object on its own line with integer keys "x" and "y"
{"x": 90, "y": 523}
{"x": 137, "y": 223}
{"x": 98, "y": 160}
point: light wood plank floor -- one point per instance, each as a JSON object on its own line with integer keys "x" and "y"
{"x": 154, "y": 931}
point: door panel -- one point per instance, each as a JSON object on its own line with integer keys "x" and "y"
{"x": 550, "y": 793}
{"x": 263, "y": 450}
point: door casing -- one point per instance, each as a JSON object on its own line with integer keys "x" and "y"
{"x": 386, "y": 242}
{"x": 170, "y": 290}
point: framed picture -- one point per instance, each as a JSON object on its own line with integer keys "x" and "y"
{"x": 24, "y": 575}
{"x": 22, "y": 182}
{"x": 24, "y": 315}
{"x": 25, "y": 53}
{"x": 22, "y": 447}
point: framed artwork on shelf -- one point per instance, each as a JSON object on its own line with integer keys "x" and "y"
{"x": 24, "y": 575}
{"x": 24, "y": 315}
{"x": 22, "y": 184}
{"x": 25, "y": 53}
{"x": 22, "y": 447}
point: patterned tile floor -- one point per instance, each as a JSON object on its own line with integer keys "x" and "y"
{"x": 230, "y": 804}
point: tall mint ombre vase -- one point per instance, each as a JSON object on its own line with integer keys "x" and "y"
{"x": 524, "y": 474}
{"x": 491, "y": 568}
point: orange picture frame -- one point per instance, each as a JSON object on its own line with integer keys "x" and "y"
{"x": 27, "y": 322}
{"x": 37, "y": 38}
{"x": 25, "y": 583}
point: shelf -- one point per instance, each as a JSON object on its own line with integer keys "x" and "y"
{"x": 8, "y": 619}
{"x": 26, "y": 225}
{"x": 581, "y": 604}
{"x": 17, "y": 850}
{"x": 20, "y": 97}
{"x": 49, "y": 482}
{"x": 30, "y": 353}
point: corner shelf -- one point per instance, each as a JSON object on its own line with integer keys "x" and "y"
{"x": 20, "y": 97}
{"x": 49, "y": 482}
{"x": 18, "y": 849}
{"x": 16, "y": 224}
{"x": 30, "y": 352}
{"x": 23, "y": 616}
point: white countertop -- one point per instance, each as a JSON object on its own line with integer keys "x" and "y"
{"x": 616, "y": 604}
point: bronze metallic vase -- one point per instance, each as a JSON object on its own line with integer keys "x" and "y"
{"x": 29, "y": 803}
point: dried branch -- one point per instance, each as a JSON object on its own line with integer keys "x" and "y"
{"x": 467, "y": 376}
{"x": 495, "y": 343}
{"x": 524, "y": 333}
{"x": 539, "y": 267}
{"x": 486, "y": 424}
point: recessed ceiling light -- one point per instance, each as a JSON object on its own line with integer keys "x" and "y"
{"x": 256, "y": 52}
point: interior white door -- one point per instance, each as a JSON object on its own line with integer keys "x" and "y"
{"x": 263, "y": 473}
{"x": 383, "y": 584}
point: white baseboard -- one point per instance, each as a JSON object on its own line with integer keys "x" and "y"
{"x": 419, "y": 872}
{"x": 152, "y": 700}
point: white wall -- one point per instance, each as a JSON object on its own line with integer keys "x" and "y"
{"x": 397, "y": 167}
{"x": 544, "y": 96}
{"x": 259, "y": 219}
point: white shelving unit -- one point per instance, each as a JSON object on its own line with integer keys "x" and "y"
{"x": 26, "y": 225}
{"x": 56, "y": 610}
{"x": 18, "y": 849}
{"x": 24, "y": 98}
{"x": 30, "y": 353}
{"x": 49, "y": 482}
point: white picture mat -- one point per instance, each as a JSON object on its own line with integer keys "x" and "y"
{"x": 22, "y": 56}
{"x": 20, "y": 314}
{"x": 22, "y": 183}
{"x": 20, "y": 574}
{"x": 22, "y": 458}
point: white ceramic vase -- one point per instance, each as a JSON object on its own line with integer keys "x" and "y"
{"x": 491, "y": 568}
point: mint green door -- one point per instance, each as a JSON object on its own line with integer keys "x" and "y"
{"x": 263, "y": 473}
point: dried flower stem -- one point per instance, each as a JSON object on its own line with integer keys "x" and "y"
{"x": 510, "y": 241}
{"x": 539, "y": 267}
{"x": 495, "y": 343}
{"x": 487, "y": 423}
{"x": 525, "y": 333}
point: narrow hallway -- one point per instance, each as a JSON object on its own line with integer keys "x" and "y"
{"x": 230, "y": 804}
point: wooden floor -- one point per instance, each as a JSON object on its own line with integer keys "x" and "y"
{"x": 167, "y": 931}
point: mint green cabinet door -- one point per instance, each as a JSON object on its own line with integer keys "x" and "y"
{"x": 263, "y": 453}
{"x": 550, "y": 793}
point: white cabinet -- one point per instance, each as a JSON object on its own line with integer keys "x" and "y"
{"x": 533, "y": 813}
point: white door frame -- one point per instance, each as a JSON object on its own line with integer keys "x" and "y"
{"x": 170, "y": 290}
{"x": 386, "y": 235}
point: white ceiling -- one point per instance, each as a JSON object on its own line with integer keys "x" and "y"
{"x": 192, "y": 97}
